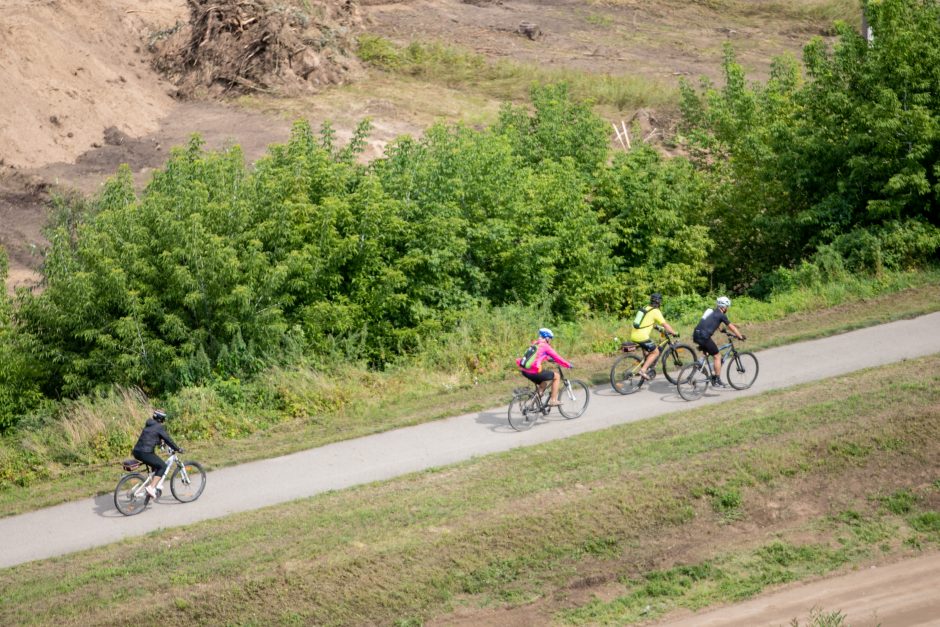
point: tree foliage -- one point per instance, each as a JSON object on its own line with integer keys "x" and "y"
{"x": 215, "y": 270}
{"x": 846, "y": 155}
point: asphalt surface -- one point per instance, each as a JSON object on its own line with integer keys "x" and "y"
{"x": 94, "y": 521}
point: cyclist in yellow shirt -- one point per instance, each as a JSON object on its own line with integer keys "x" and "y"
{"x": 642, "y": 329}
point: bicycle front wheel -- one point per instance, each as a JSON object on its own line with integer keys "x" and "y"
{"x": 692, "y": 382}
{"x": 741, "y": 371}
{"x": 188, "y": 482}
{"x": 675, "y": 358}
{"x": 129, "y": 496}
{"x": 625, "y": 374}
{"x": 574, "y": 399}
{"x": 523, "y": 411}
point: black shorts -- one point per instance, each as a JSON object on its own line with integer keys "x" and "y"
{"x": 649, "y": 345}
{"x": 151, "y": 459}
{"x": 539, "y": 377}
{"x": 707, "y": 344}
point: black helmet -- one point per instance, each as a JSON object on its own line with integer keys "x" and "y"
{"x": 656, "y": 298}
{"x": 159, "y": 415}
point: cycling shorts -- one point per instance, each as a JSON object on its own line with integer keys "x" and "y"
{"x": 649, "y": 345}
{"x": 151, "y": 459}
{"x": 707, "y": 344}
{"x": 539, "y": 377}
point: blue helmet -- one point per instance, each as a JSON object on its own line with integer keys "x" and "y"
{"x": 546, "y": 333}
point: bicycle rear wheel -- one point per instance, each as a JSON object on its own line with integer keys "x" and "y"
{"x": 188, "y": 482}
{"x": 129, "y": 496}
{"x": 741, "y": 371}
{"x": 523, "y": 411}
{"x": 692, "y": 382}
{"x": 625, "y": 374}
{"x": 675, "y": 358}
{"x": 574, "y": 399}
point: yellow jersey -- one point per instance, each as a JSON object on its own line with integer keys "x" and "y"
{"x": 653, "y": 317}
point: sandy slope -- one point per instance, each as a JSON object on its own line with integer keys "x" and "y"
{"x": 78, "y": 67}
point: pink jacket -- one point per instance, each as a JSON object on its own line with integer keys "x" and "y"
{"x": 545, "y": 351}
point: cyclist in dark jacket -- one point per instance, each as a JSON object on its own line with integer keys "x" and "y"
{"x": 153, "y": 434}
{"x": 706, "y": 327}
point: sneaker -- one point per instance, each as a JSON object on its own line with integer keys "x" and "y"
{"x": 718, "y": 383}
{"x": 151, "y": 492}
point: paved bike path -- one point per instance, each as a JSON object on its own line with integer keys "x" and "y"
{"x": 94, "y": 521}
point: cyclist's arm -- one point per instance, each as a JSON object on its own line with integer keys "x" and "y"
{"x": 556, "y": 357}
{"x": 734, "y": 330}
{"x": 166, "y": 438}
{"x": 668, "y": 328}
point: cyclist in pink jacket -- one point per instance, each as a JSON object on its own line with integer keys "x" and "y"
{"x": 531, "y": 367}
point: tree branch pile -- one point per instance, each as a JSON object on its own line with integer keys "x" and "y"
{"x": 242, "y": 46}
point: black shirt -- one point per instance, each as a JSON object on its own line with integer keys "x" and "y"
{"x": 152, "y": 434}
{"x": 711, "y": 320}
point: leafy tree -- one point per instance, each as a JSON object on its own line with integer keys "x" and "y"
{"x": 559, "y": 127}
{"x": 19, "y": 377}
{"x": 654, "y": 206}
{"x": 832, "y": 159}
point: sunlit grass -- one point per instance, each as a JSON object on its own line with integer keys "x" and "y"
{"x": 509, "y": 80}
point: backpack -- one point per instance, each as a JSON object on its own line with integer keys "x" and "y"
{"x": 528, "y": 357}
{"x": 640, "y": 314}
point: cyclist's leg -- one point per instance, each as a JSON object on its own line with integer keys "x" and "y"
{"x": 154, "y": 462}
{"x": 540, "y": 379}
{"x": 652, "y": 351}
{"x": 708, "y": 346}
{"x": 556, "y": 383}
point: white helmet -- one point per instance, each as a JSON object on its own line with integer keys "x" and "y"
{"x": 723, "y": 301}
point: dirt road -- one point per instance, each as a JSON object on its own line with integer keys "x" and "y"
{"x": 903, "y": 594}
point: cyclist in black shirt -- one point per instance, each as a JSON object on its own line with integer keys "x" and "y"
{"x": 706, "y": 327}
{"x": 154, "y": 432}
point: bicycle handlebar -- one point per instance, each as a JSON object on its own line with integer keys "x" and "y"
{"x": 663, "y": 330}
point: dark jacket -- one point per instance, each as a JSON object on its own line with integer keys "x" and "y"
{"x": 154, "y": 432}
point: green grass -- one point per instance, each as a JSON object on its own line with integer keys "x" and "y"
{"x": 516, "y": 530}
{"x": 293, "y": 409}
{"x": 507, "y": 80}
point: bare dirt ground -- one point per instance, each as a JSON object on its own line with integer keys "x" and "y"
{"x": 903, "y": 593}
{"x": 660, "y": 40}
{"x": 87, "y": 99}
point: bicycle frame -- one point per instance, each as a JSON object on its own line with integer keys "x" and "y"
{"x": 564, "y": 386}
{"x": 725, "y": 350}
{"x": 172, "y": 460}
{"x": 664, "y": 342}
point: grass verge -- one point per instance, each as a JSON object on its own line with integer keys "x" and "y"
{"x": 75, "y": 455}
{"x": 686, "y": 510}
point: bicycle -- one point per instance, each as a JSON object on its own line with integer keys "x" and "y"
{"x": 527, "y": 404}
{"x": 741, "y": 368}
{"x": 186, "y": 484}
{"x": 625, "y": 372}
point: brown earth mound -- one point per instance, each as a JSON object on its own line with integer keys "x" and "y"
{"x": 70, "y": 69}
{"x": 240, "y": 46}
